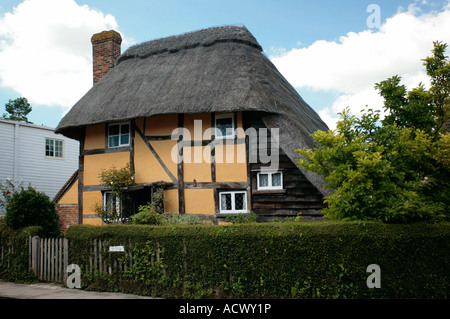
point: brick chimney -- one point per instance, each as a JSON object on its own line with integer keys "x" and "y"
{"x": 106, "y": 50}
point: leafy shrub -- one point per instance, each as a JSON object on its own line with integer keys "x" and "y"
{"x": 32, "y": 208}
{"x": 241, "y": 218}
{"x": 146, "y": 216}
{"x": 181, "y": 219}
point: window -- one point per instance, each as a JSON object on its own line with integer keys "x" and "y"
{"x": 111, "y": 203}
{"x": 118, "y": 135}
{"x": 233, "y": 202}
{"x": 225, "y": 125}
{"x": 54, "y": 148}
{"x": 270, "y": 180}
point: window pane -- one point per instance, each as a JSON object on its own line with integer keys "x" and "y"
{"x": 263, "y": 180}
{"x": 276, "y": 179}
{"x": 58, "y": 149}
{"x": 114, "y": 129}
{"x": 225, "y": 201}
{"x": 239, "y": 201}
{"x": 124, "y": 139}
{"x": 113, "y": 141}
{"x": 224, "y": 126}
{"x": 124, "y": 129}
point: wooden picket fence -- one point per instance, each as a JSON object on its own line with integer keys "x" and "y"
{"x": 48, "y": 258}
{"x": 101, "y": 261}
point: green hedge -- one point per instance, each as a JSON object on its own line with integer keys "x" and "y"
{"x": 273, "y": 260}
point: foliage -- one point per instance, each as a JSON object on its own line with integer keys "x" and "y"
{"x": 18, "y": 110}
{"x": 117, "y": 180}
{"x": 428, "y": 110}
{"x": 272, "y": 260}
{"x": 147, "y": 215}
{"x": 32, "y": 208}
{"x": 181, "y": 219}
{"x": 394, "y": 172}
{"x": 158, "y": 200}
{"x": 241, "y": 218}
{"x": 15, "y": 253}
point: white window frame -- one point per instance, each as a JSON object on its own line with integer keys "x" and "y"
{"x": 224, "y": 116}
{"x": 269, "y": 186}
{"x": 117, "y": 199}
{"x": 120, "y": 134}
{"x": 233, "y": 203}
{"x": 54, "y": 148}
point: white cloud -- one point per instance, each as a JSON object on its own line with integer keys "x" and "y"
{"x": 45, "y": 50}
{"x": 352, "y": 65}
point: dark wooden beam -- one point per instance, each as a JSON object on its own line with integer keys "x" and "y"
{"x": 180, "y": 172}
{"x": 81, "y": 177}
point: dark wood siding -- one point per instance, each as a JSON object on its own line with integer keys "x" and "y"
{"x": 298, "y": 194}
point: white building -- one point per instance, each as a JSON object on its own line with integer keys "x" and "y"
{"x": 34, "y": 155}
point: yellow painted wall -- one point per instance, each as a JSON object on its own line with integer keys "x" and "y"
{"x": 147, "y": 167}
{"x": 95, "y": 137}
{"x": 161, "y": 125}
{"x": 164, "y": 150}
{"x": 171, "y": 205}
{"x": 92, "y": 221}
{"x": 89, "y": 201}
{"x": 199, "y": 201}
{"x": 71, "y": 195}
{"x": 93, "y": 164}
{"x": 194, "y": 164}
{"x": 231, "y": 163}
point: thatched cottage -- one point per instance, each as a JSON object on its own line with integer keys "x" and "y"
{"x": 205, "y": 115}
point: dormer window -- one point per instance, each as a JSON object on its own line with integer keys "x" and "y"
{"x": 118, "y": 134}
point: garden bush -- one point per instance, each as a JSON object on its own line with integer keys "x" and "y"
{"x": 32, "y": 208}
{"x": 271, "y": 260}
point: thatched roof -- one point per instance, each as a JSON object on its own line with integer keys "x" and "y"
{"x": 219, "y": 69}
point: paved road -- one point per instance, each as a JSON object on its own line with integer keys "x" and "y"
{"x": 56, "y": 291}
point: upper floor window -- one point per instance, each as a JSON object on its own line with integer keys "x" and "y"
{"x": 270, "y": 180}
{"x": 118, "y": 134}
{"x": 54, "y": 148}
{"x": 225, "y": 125}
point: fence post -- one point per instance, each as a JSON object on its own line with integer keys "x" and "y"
{"x": 34, "y": 254}
{"x": 66, "y": 257}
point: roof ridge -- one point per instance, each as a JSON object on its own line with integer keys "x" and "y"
{"x": 190, "y": 40}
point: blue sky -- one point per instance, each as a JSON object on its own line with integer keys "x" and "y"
{"x": 326, "y": 49}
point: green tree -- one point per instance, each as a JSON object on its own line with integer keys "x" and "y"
{"x": 32, "y": 208}
{"x": 428, "y": 110}
{"x": 396, "y": 170}
{"x": 18, "y": 110}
